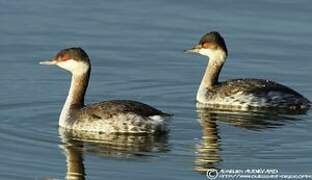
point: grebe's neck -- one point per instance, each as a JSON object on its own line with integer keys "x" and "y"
{"x": 211, "y": 75}
{"x": 75, "y": 97}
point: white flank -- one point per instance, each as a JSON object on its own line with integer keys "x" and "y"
{"x": 123, "y": 123}
{"x": 238, "y": 100}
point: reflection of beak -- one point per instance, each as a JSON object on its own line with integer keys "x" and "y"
{"x": 195, "y": 49}
{"x": 48, "y": 62}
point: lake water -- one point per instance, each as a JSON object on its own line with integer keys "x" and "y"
{"x": 136, "y": 48}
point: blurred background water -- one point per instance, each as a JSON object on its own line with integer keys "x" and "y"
{"x": 136, "y": 48}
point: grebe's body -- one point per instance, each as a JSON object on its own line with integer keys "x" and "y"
{"x": 116, "y": 116}
{"x": 242, "y": 94}
{"x": 245, "y": 94}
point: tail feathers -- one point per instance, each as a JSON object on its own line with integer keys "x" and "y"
{"x": 161, "y": 122}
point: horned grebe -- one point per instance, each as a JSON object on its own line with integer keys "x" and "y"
{"x": 116, "y": 116}
{"x": 243, "y": 94}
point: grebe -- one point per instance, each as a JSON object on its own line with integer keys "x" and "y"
{"x": 243, "y": 94}
{"x": 116, "y": 116}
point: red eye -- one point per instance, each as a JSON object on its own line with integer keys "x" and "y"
{"x": 66, "y": 57}
{"x": 206, "y": 45}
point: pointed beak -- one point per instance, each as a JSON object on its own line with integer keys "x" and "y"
{"x": 48, "y": 62}
{"x": 195, "y": 49}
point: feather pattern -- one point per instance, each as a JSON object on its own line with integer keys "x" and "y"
{"x": 121, "y": 116}
{"x": 242, "y": 94}
{"x": 117, "y": 116}
{"x": 258, "y": 93}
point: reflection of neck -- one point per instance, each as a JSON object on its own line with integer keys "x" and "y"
{"x": 75, "y": 167}
{"x": 75, "y": 98}
{"x": 208, "y": 151}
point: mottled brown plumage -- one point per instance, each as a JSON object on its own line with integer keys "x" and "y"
{"x": 242, "y": 94}
{"x": 123, "y": 106}
{"x": 272, "y": 93}
{"x": 116, "y": 116}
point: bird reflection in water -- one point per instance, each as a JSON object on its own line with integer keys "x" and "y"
{"x": 120, "y": 146}
{"x": 208, "y": 150}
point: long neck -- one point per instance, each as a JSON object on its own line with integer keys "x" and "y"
{"x": 211, "y": 75}
{"x": 75, "y": 98}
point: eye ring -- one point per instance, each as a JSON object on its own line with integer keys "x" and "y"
{"x": 66, "y": 57}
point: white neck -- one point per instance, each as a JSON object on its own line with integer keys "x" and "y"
{"x": 211, "y": 76}
{"x": 75, "y": 99}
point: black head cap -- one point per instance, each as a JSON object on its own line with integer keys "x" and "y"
{"x": 214, "y": 38}
{"x": 75, "y": 53}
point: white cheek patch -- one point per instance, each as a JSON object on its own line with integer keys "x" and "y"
{"x": 73, "y": 66}
{"x": 215, "y": 55}
{"x": 205, "y": 52}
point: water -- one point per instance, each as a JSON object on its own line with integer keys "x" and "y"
{"x": 136, "y": 51}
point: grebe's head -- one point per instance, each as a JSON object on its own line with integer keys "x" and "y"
{"x": 212, "y": 45}
{"x": 74, "y": 60}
